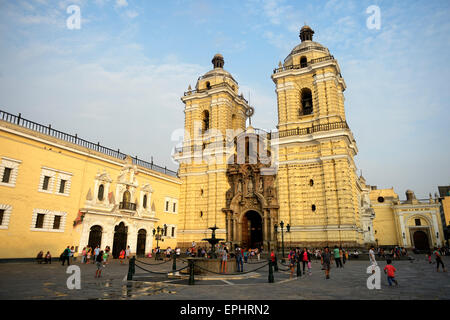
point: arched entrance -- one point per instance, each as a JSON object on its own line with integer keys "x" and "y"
{"x": 142, "y": 237}
{"x": 421, "y": 240}
{"x": 252, "y": 236}
{"x": 95, "y": 236}
{"x": 120, "y": 239}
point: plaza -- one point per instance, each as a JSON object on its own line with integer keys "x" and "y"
{"x": 418, "y": 280}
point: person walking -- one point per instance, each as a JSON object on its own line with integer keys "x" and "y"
{"x": 337, "y": 257}
{"x": 99, "y": 263}
{"x": 96, "y": 253}
{"x": 83, "y": 255}
{"x": 66, "y": 256}
{"x": 122, "y": 256}
{"x": 127, "y": 253}
{"x": 223, "y": 268}
{"x": 305, "y": 257}
{"x": 372, "y": 260}
{"x": 437, "y": 256}
{"x": 239, "y": 260}
{"x": 325, "y": 259}
{"x": 292, "y": 261}
{"x": 72, "y": 254}
{"x": 390, "y": 270}
{"x": 89, "y": 253}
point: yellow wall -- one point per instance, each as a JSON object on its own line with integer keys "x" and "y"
{"x": 37, "y": 151}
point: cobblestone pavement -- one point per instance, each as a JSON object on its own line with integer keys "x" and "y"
{"x": 417, "y": 280}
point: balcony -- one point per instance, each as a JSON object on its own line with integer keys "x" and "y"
{"x": 129, "y": 206}
{"x": 304, "y": 64}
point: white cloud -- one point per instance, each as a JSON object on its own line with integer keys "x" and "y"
{"x": 121, "y": 3}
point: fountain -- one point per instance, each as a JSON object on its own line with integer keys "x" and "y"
{"x": 212, "y": 262}
{"x": 213, "y": 241}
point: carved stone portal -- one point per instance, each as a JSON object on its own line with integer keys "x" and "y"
{"x": 251, "y": 211}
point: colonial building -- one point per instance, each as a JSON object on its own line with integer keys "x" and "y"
{"x": 58, "y": 190}
{"x": 411, "y": 223}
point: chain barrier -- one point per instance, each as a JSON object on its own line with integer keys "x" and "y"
{"x": 157, "y": 264}
{"x": 155, "y": 272}
{"x": 231, "y": 274}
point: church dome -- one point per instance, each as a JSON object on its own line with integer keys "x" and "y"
{"x": 307, "y": 44}
{"x": 217, "y": 75}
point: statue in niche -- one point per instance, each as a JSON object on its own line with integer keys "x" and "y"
{"x": 239, "y": 186}
{"x": 250, "y": 185}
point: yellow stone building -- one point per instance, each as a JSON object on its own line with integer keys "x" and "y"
{"x": 58, "y": 190}
{"x": 410, "y": 223}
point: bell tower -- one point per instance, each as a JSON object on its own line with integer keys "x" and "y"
{"x": 214, "y": 113}
{"x": 316, "y": 178}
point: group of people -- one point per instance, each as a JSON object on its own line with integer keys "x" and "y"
{"x": 239, "y": 254}
{"x": 41, "y": 258}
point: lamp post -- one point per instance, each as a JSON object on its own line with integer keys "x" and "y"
{"x": 158, "y": 234}
{"x": 288, "y": 228}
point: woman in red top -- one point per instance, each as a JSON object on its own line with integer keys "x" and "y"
{"x": 305, "y": 258}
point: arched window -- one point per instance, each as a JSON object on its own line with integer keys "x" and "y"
{"x": 205, "y": 119}
{"x": 101, "y": 191}
{"x": 303, "y": 62}
{"x": 127, "y": 196}
{"x": 144, "y": 201}
{"x": 208, "y": 85}
{"x": 306, "y": 101}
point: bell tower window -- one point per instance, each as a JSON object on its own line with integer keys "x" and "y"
{"x": 205, "y": 121}
{"x": 306, "y": 102}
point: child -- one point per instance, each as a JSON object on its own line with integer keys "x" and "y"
{"x": 309, "y": 268}
{"x": 390, "y": 273}
{"x": 122, "y": 256}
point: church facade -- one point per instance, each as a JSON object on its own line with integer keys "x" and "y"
{"x": 296, "y": 186}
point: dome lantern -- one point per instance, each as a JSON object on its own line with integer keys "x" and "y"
{"x": 306, "y": 33}
{"x": 218, "y": 61}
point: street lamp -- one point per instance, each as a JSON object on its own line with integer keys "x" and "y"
{"x": 158, "y": 235}
{"x": 288, "y": 228}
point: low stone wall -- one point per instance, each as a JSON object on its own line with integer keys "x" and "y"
{"x": 202, "y": 266}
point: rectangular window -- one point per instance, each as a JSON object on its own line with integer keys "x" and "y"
{"x": 6, "y": 175}
{"x": 417, "y": 222}
{"x": 174, "y": 207}
{"x": 46, "y": 182}
{"x": 57, "y": 222}
{"x": 62, "y": 186}
{"x": 40, "y": 221}
{"x": 2, "y": 211}
{"x": 173, "y": 231}
{"x": 167, "y": 205}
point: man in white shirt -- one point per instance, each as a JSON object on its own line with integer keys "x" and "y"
{"x": 372, "y": 256}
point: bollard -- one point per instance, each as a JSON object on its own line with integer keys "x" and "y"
{"x": 276, "y": 264}
{"x": 191, "y": 272}
{"x": 131, "y": 268}
{"x": 299, "y": 270}
{"x": 271, "y": 280}
{"x": 174, "y": 265}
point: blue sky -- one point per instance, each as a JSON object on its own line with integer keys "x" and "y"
{"x": 119, "y": 79}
